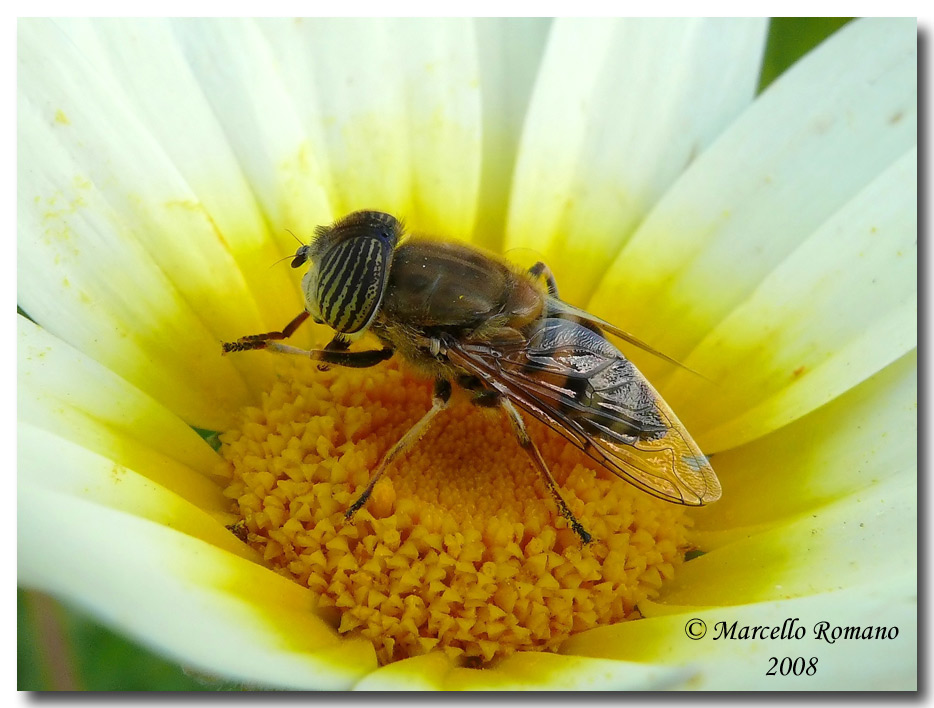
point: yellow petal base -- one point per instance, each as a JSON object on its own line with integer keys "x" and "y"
{"x": 460, "y": 549}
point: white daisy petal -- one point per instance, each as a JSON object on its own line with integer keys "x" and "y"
{"x": 523, "y": 671}
{"x": 442, "y": 89}
{"x": 98, "y": 205}
{"x": 812, "y": 142}
{"x": 627, "y": 105}
{"x": 191, "y": 601}
{"x": 243, "y": 84}
{"x": 839, "y": 308}
{"x": 863, "y": 437}
{"x": 841, "y": 486}
{"x": 50, "y": 463}
{"x": 510, "y": 53}
{"x": 393, "y": 111}
{"x": 65, "y": 393}
{"x": 346, "y": 99}
{"x": 856, "y": 540}
{"x": 145, "y": 62}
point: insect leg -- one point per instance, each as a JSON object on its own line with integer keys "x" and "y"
{"x": 338, "y": 344}
{"x": 529, "y": 446}
{"x": 542, "y": 270}
{"x": 482, "y": 397}
{"x": 412, "y": 436}
{"x": 356, "y": 360}
{"x": 258, "y": 341}
{"x": 486, "y": 399}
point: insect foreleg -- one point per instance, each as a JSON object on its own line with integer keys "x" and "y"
{"x": 356, "y": 360}
{"x": 259, "y": 341}
{"x": 540, "y": 270}
{"x": 413, "y": 435}
{"x": 338, "y": 344}
{"x": 529, "y": 446}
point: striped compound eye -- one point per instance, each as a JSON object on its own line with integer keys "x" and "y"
{"x": 352, "y": 269}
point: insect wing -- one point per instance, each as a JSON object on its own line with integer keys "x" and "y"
{"x": 578, "y": 383}
{"x": 561, "y": 308}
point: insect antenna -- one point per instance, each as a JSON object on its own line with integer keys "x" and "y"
{"x": 285, "y": 258}
{"x": 300, "y": 242}
{"x": 279, "y": 260}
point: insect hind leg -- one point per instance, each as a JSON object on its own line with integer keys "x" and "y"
{"x": 482, "y": 397}
{"x": 412, "y": 436}
{"x": 529, "y": 446}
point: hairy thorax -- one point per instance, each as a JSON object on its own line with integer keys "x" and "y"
{"x": 442, "y": 290}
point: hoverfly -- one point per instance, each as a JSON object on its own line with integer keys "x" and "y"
{"x": 462, "y": 316}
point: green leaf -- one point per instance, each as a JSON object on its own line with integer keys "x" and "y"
{"x": 790, "y": 38}
{"x": 60, "y": 649}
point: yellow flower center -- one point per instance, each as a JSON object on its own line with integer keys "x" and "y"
{"x": 460, "y": 548}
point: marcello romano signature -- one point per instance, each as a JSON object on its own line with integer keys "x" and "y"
{"x": 789, "y": 629}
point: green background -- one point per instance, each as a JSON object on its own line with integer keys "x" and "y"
{"x": 64, "y": 650}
